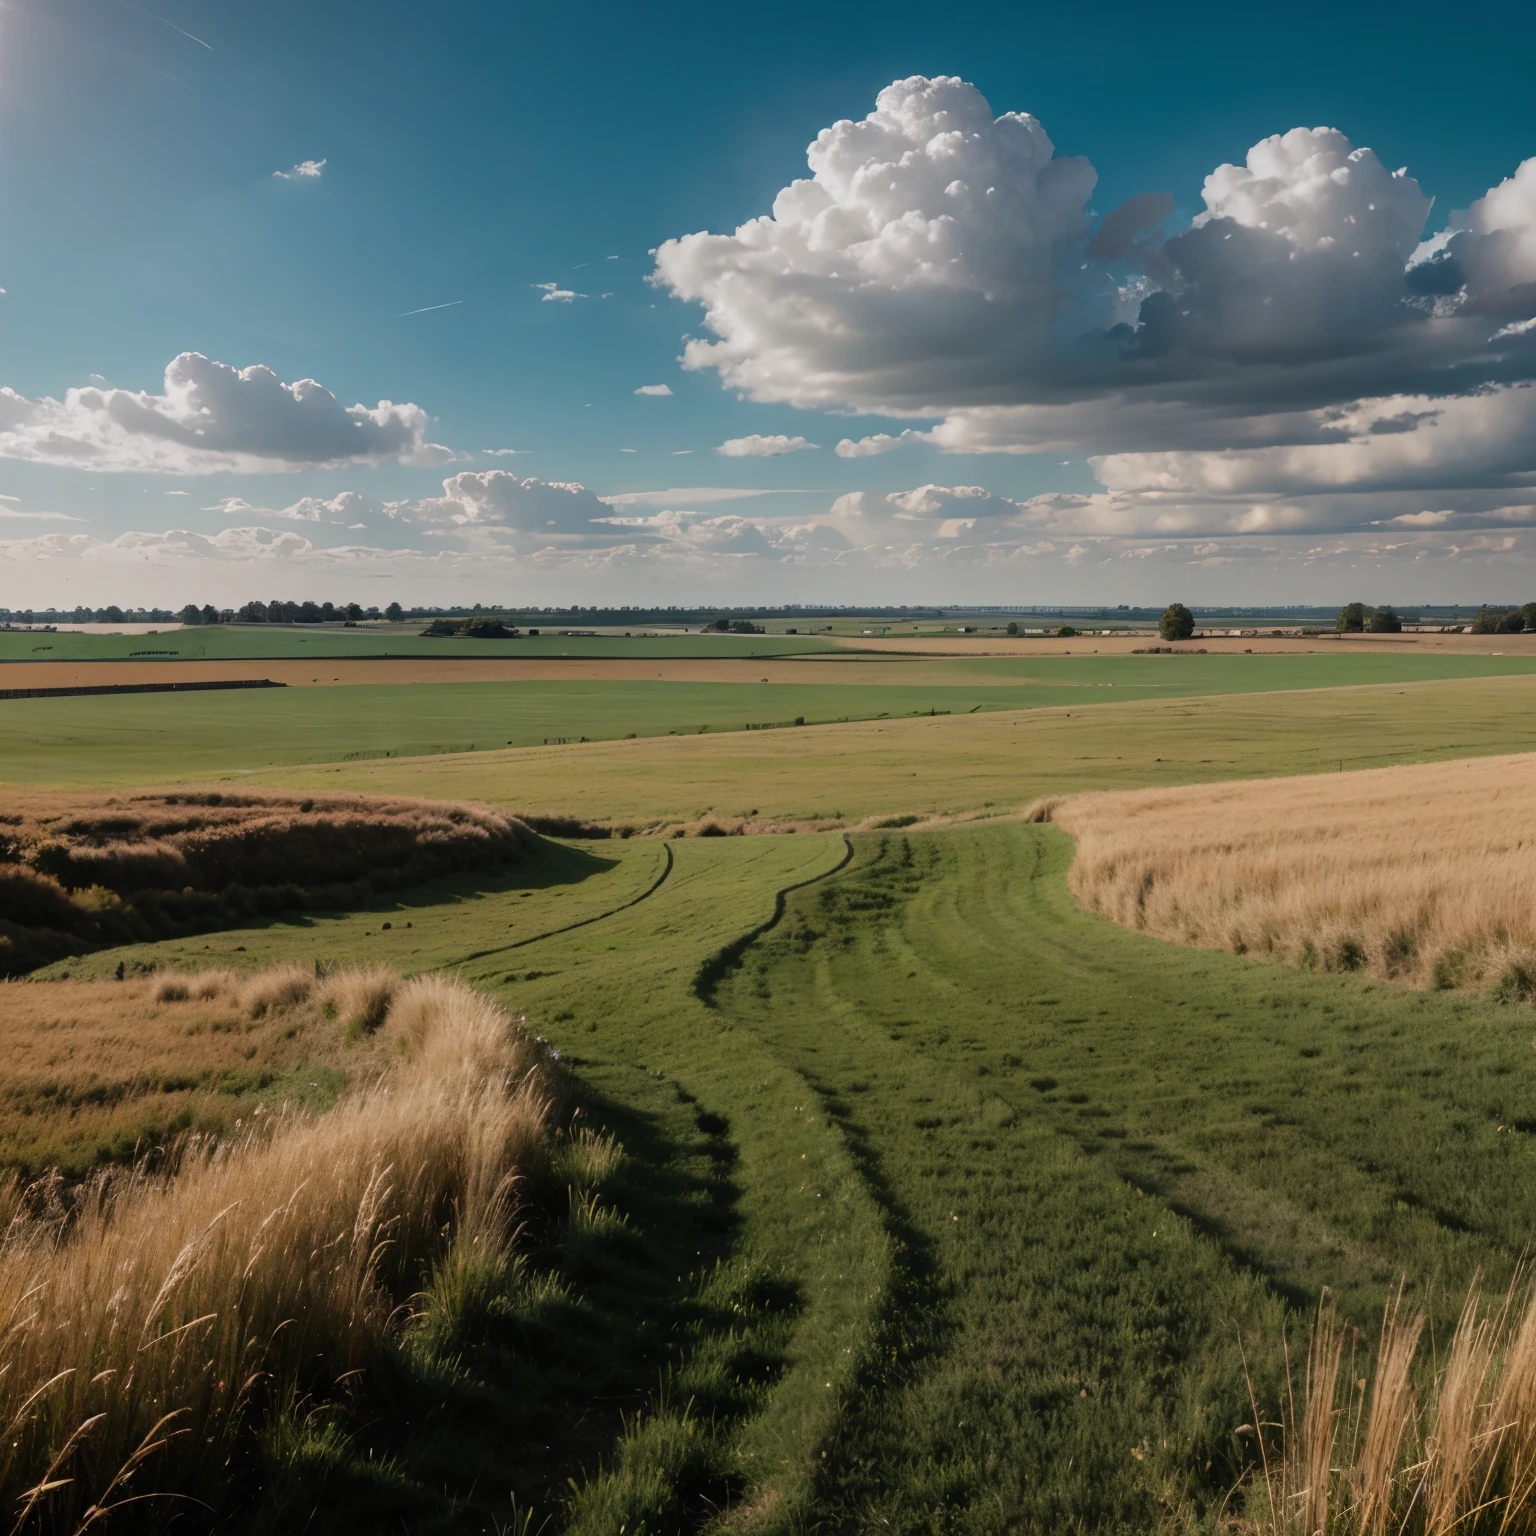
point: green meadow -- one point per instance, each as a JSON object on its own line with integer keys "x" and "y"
{"x": 134, "y": 738}
{"x": 943, "y": 1206}
{"x": 257, "y": 642}
{"x": 1009, "y": 1198}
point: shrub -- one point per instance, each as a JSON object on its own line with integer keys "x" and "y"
{"x": 1177, "y": 622}
{"x": 1350, "y": 955}
{"x": 1013, "y": 626}
{"x": 1066, "y": 632}
{"x": 1516, "y": 983}
{"x": 486, "y": 628}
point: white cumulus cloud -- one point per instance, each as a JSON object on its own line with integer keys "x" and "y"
{"x": 659, "y": 390}
{"x": 877, "y": 443}
{"x": 305, "y": 170}
{"x": 941, "y": 261}
{"x": 212, "y": 417}
{"x": 756, "y": 446}
{"x": 307, "y": 509}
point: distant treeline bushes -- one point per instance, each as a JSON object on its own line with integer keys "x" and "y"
{"x": 1358, "y": 618}
{"x": 1505, "y": 621}
{"x": 81, "y": 874}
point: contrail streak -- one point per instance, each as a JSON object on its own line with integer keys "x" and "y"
{"x": 171, "y": 24}
{"x": 427, "y": 310}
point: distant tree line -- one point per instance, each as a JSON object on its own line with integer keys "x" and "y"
{"x": 278, "y": 612}
{"x": 1505, "y": 621}
{"x": 83, "y": 615}
{"x": 1357, "y": 619}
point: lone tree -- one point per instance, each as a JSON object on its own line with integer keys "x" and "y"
{"x": 1383, "y": 621}
{"x": 1351, "y": 619}
{"x": 1177, "y": 622}
{"x": 394, "y": 613}
{"x": 1013, "y": 626}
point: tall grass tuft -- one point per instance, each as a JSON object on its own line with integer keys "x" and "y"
{"x": 155, "y": 1339}
{"x": 1421, "y": 1447}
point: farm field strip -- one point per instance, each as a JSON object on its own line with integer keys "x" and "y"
{"x": 1149, "y": 677}
{"x": 265, "y": 642}
{"x": 106, "y": 740}
{"x": 1026, "y": 1175}
{"x": 1221, "y": 643}
{"x": 351, "y": 671}
{"x": 957, "y": 765}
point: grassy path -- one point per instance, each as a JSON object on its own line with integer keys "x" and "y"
{"x": 953, "y": 1200}
{"x": 1100, "y": 1159}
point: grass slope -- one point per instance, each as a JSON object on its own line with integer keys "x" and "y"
{"x": 996, "y": 1185}
{"x": 1104, "y": 1156}
{"x": 144, "y": 738}
{"x": 753, "y": 1251}
{"x": 255, "y": 641}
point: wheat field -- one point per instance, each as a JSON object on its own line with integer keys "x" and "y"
{"x": 159, "y": 1328}
{"x": 1424, "y": 875}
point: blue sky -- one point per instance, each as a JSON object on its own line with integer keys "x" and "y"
{"x": 1323, "y": 436}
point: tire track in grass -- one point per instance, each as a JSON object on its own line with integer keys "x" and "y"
{"x": 729, "y": 956}
{"x": 598, "y": 917}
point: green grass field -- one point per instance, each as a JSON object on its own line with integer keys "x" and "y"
{"x": 946, "y": 1207}
{"x": 1022, "y": 1189}
{"x": 231, "y": 642}
{"x": 135, "y": 738}
{"x": 962, "y": 765}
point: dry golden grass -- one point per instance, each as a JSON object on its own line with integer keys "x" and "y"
{"x": 1421, "y": 1447}
{"x": 150, "y": 1339}
{"x": 1425, "y": 874}
{"x": 96, "y": 1071}
{"x": 80, "y": 871}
